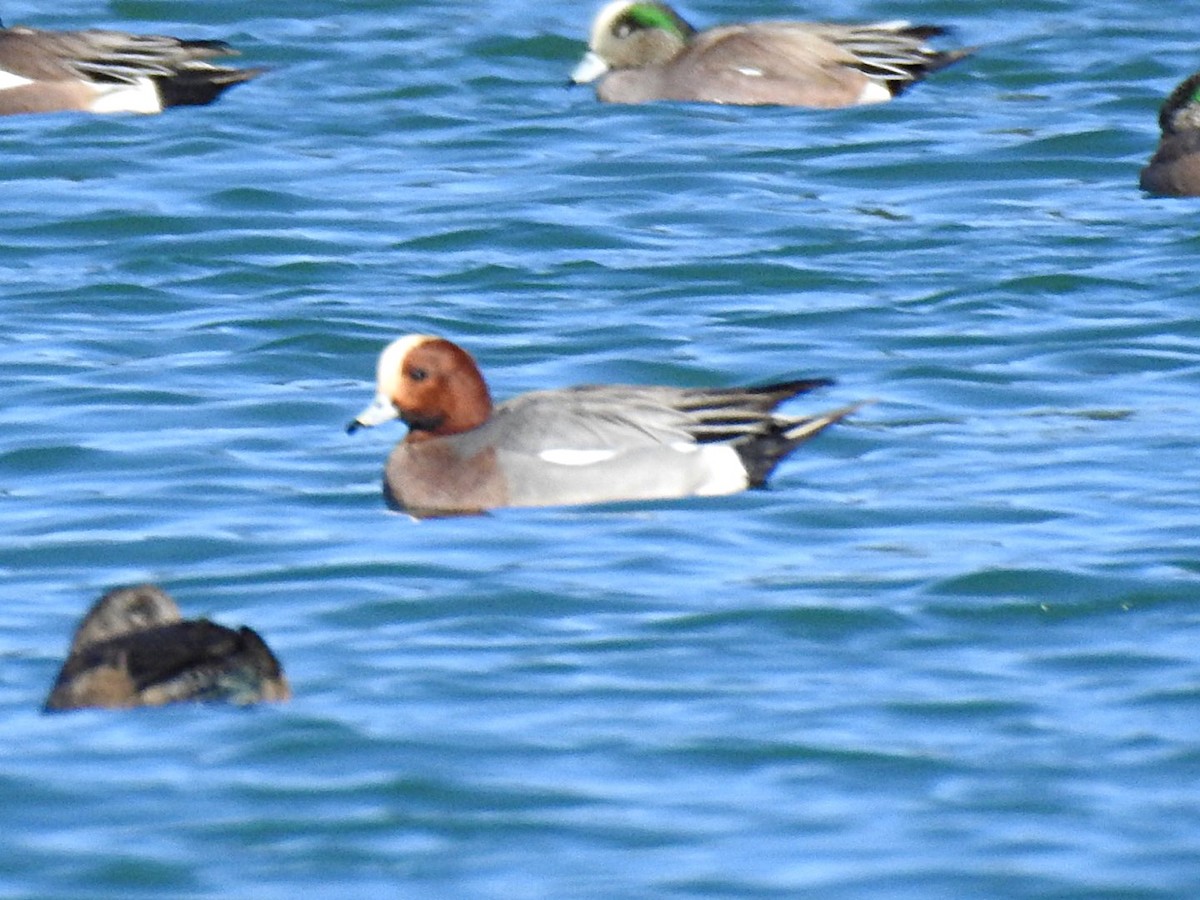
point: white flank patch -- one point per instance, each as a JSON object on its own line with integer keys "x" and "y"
{"x": 874, "y": 92}
{"x": 747, "y": 70}
{"x": 724, "y": 472}
{"x": 9, "y": 80}
{"x": 566, "y": 457}
{"x": 139, "y": 97}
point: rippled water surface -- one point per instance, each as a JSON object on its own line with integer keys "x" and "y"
{"x": 954, "y": 651}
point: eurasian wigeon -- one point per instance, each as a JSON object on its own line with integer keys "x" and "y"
{"x": 1174, "y": 170}
{"x": 134, "y": 648}
{"x": 109, "y": 71}
{"x": 588, "y": 444}
{"x": 643, "y": 50}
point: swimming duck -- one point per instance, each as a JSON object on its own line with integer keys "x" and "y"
{"x": 134, "y": 648}
{"x": 1174, "y": 170}
{"x": 580, "y": 445}
{"x": 109, "y": 71}
{"x": 642, "y": 50}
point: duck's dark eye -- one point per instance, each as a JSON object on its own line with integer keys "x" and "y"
{"x": 418, "y": 374}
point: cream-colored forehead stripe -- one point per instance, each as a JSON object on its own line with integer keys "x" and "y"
{"x": 604, "y": 19}
{"x": 387, "y": 373}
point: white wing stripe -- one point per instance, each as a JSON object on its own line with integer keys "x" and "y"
{"x": 568, "y": 457}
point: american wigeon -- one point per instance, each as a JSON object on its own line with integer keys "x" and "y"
{"x": 109, "y": 71}
{"x": 1174, "y": 170}
{"x": 642, "y": 50}
{"x": 589, "y": 444}
{"x": 133, "y": 648}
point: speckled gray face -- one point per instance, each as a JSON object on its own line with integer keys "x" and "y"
{"x": 1187, "y": 117}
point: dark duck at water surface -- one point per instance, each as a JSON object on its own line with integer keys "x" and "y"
{"x": 134, "y": 648}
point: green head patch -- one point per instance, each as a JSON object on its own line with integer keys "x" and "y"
{"x": 652, "y": 15}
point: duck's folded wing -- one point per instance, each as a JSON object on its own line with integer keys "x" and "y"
{"x": 102, "y": 56}
{"x": 192, "y": 660}
{"x": 806, "y": 63}
{"x": 626, "y": 417}
{"x": 889, "y": 51}
{"x": 755, "y": 64}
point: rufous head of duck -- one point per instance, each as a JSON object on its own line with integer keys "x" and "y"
{"x": 430, "y": 384}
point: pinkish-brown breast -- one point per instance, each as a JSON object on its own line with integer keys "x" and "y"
{"x": 429, "y": 477}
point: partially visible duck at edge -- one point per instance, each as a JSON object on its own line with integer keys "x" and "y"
{"x": 134, "y": 648}
{"x": 580, "y": 445}
{"x": 1174, "y": 170}
{"x": 643, "y": 50}
{"x": 109, "y": 71}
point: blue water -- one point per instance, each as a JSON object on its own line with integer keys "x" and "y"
{"x": 954, "y": 651}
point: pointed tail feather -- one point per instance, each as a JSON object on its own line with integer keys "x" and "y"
{"x": 760, "y": 454}
{"x": 200, "y": 86}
